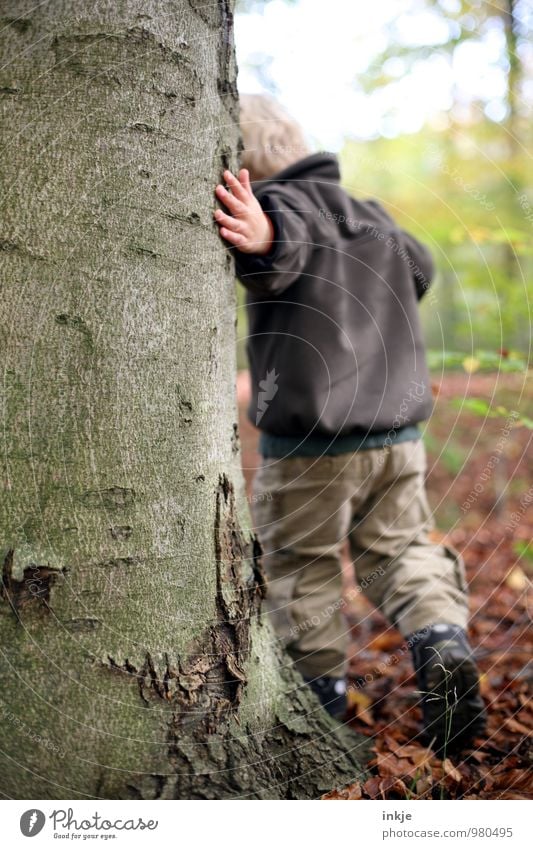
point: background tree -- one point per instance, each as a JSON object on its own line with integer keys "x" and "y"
{"x": 134, "y": 661}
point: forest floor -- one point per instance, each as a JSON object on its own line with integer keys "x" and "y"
{"x": 481, "y": 490}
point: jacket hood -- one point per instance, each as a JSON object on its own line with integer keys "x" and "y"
{"x": 320, "y": 173}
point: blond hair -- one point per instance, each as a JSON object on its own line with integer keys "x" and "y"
{"x": 272, "y": 139}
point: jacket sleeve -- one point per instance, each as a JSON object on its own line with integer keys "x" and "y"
{"x": 419, "y": 257}
{"x": 272, "y": 273}
{"x": 423, "y": 267}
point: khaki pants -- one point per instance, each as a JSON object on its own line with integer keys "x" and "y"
{"x": 305, "y": 507}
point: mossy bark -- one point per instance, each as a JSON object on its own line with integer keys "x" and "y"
{"x": 135, "y": 663}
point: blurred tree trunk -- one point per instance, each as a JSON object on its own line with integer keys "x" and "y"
{"x": 134, "y": 661}
{"x": 511, "y": 128}
{"x": 514, "y": 78}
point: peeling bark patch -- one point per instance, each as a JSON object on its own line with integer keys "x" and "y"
{"x": 114, "y": 497}
{"x": 162, "y": 680}
{"x": 34, "y": 587}
{"x": 238, "y": 598}
{"x": 206, "y": 686}
{"x": 209, "y": 757}
{"x": 302, "y": 755}
{"x": 231, "y": 549}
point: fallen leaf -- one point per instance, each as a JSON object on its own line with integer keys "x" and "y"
{"x": 471, "y": 364}
{"x": 335, "y": 794}
{"x": 372, "y": 787}
{"x": 509, "y": 794}
{"x": 514, "y": 779}
{"x": 386, "y": 642}
{"x": 424, "y": 785}
{"x": 390, "y": 765}
{"x": 516, "y": 579}
{"x": 514, "y": 725}
{"x": 359, "y": 702}
{"x": 451, "y": 771}
{"x": 355, "y": 791}
{"x": 393, "y": 785}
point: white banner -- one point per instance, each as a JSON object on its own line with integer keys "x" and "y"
{"x": 253, "y": 824}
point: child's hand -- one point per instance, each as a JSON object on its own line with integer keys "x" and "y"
{"x": 247, "y": 227}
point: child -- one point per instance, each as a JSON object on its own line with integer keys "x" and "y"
{"x": 339, "y": 383}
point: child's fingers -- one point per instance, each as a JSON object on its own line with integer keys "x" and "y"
{"x": 235, "y": 186}
{"x": 244, "y": 177}
{"x": 233, "y": 238}
{"x": 234, "y": 205}
{"x": 227, "y": 221}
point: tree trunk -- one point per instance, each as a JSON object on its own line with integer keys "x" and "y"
{"x": 514, "y": 76}
{"x": 511, "y": 129}
{"x": 134, "y": 660}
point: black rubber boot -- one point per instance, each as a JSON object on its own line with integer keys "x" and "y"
{"x": 448, "y": 678}
{"x": 331, "y": 692}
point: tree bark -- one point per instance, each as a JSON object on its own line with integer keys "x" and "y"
{"x": 135, "y": 662}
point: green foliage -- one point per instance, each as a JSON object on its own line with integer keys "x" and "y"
{"x": 462, "y": 185}
{"x": 502, "y": 361}
{"x": 452, "y": 455}
{"x": 485, "y": 409}
{"x": 458, "y": 198}
{"x": 524, "y": 550}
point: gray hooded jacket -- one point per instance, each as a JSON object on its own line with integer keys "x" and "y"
{"x": 335, "y": 344}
